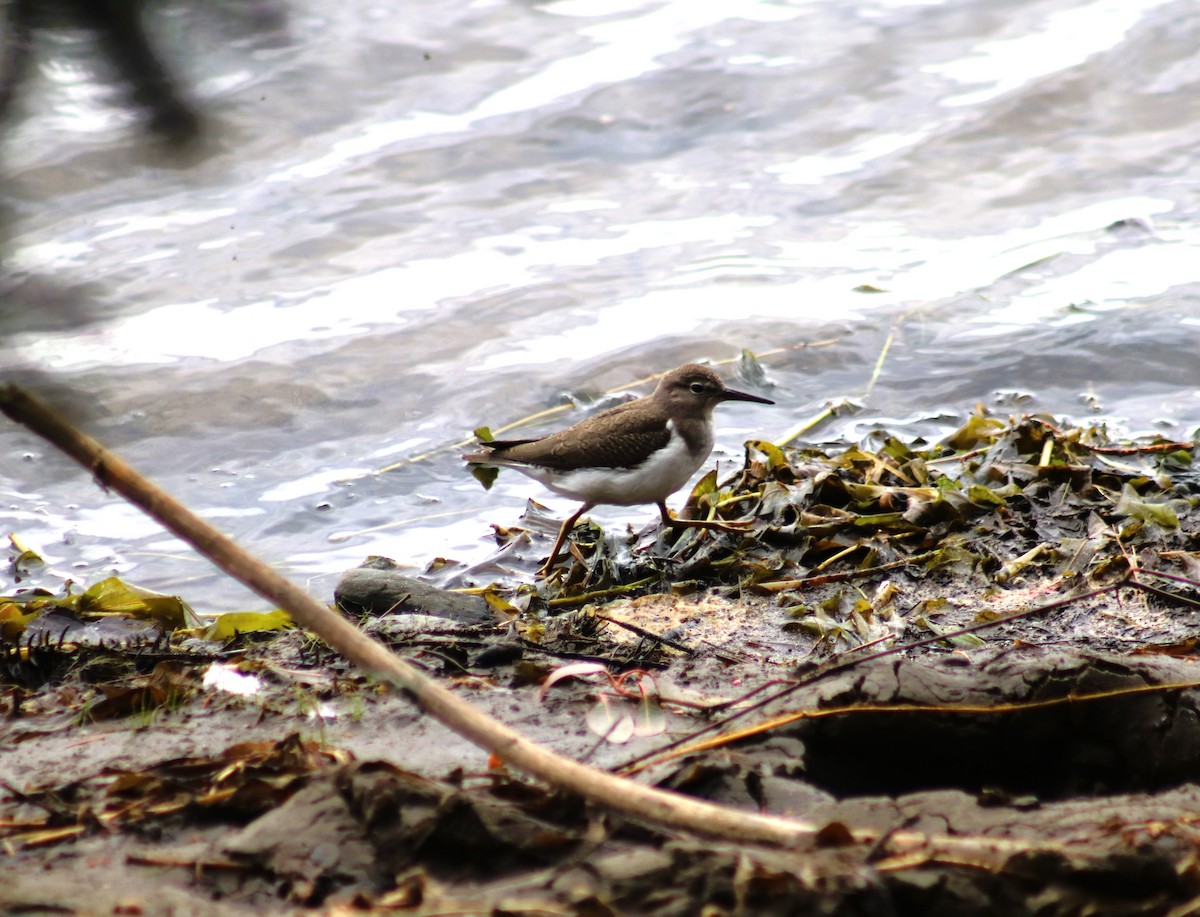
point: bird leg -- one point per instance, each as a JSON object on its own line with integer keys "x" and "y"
{"x": 563, "y": 532}
{"x": 734, "y": 528}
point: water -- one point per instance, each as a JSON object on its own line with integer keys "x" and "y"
{"x": 407, "y": 223}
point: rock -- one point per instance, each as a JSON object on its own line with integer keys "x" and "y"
{"x": 378, "y": 587}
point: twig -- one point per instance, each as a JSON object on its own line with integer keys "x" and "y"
{"x": 1131, "y": 449}
{"x": 649, "y": 635}
{"x": 826, "y": 578}
{"x": 1137, "y": 450}
{"x": 599, "y": 594}
{"x": 882, "y": 358}
{"x": 991, "y": 709}
{"x": 832, "y": 409}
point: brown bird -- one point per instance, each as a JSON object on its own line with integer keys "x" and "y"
{"x": 639, "y": 452}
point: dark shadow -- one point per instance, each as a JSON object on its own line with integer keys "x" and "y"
{"x": 172, "y": 127}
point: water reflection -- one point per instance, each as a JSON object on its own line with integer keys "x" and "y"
{"x": 404, "y": 227}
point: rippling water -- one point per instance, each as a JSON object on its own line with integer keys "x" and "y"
{"x": 407, "y": 222}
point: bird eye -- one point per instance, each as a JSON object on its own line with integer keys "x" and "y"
{"x": 697, "y": 388}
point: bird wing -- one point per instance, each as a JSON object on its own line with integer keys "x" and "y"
{"x": 605, "y": 440}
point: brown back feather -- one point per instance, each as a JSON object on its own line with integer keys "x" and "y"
{"x": 610, "y": 441}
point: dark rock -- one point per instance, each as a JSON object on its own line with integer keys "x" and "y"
{"x": 378, "y": 588}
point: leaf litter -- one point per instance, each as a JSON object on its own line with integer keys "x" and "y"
{"x": 989, "y": 640}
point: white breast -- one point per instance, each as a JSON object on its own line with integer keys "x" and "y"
{"x": 655, "y": 479}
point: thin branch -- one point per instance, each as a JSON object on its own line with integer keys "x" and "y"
{"x": 826, "y": 578}
{"x": 818, "y": 713}
{"x": 648, "y": 634}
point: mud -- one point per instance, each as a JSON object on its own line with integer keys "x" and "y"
{"x": 981, "y": 707}
{"x": 1080, "y": 766}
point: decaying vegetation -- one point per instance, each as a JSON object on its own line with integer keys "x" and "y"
{"x": 963, "y": 671}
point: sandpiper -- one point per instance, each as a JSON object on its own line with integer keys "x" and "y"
{"x": 639, "y": 452}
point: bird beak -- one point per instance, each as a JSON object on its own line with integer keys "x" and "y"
{"x": 730, "y": 395}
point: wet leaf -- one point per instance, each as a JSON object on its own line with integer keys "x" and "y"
{"x": 62, "y": 626}
{"x": 649, "y": 719}
{"x": 611, "y": 719}
{"x": 953, "y": 554}
{"x": 12, "y": 621}
{"x": 833, "y": 604}
{"x": 963, "y": 641}
{"x": 878, "y": 520}
{"x": 981, "y": 495}
{"x": 777, "y": 497}
{"x": 705, "y": 486}
{"x": 573, "y": 670}
{"x": 1183, "y": 649}
{"x": 498, "y": 603}
{"x": 872, "y": 494}
{"x": 485, "y": 475}
{"x": 115, "y": 597}
{"x": 750, "y": 369}
{"x": 228, "y": 626}
{"x": 24, "y": 558}
{"x": 899, "y": 451}
{"x": 932, "y": 606}
{"x": 979, "y": 430}
{"x": 165, "y": 687}
{"x": 1132, "y": 506}
{"x": 773, "y": 454}
{"x": 1178, "y": 459}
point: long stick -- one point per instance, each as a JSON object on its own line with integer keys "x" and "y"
{"x": 635, "y": 800}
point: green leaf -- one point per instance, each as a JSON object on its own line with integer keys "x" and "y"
{"x": 13, "y": 621}
{"x": 115, "y": 597}
{"x": 1180, "y": 458}
{"x": 750, "y": 369}
{"x": 497, "y": 602}
{"x": 984, "y": 496}
{"x": 1132, "y": 506}
{"x": 977, "y": 431}
{"x": 485, "y": 475}
{"x": 962, "y": 641}
{"x": 705, "y": 486}
{"x": 773, "y": 454}
{"x": 228, "y": 626}
{"x": 25, "y": 558}
{"x": 878, "y": 520}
